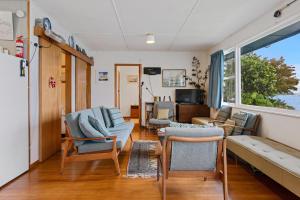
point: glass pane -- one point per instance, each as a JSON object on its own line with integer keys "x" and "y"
{"x": 229, "y": 78}
{"x": 270, "y": 75}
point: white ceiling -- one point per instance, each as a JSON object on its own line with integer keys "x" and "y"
{"x": 178, "y": 25}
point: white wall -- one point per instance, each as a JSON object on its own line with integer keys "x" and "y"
{"x": 103, "y": 92}
{"x": 38, "y": 12}
{"x": 282, "y": 128}
{"x": 129, "y": 91}
{"x": 18, "y": 23}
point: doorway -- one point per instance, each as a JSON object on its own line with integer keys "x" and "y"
{"x": 128, "y": 91}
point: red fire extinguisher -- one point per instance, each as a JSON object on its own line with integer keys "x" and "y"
{"x": 20, "y": 47}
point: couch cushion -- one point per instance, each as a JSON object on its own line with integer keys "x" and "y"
{"x": 106, "y": 117}
{"x": 126, "y": 125}
{"x": 280, "y": 155}
{"x": 224, "y": 113}
{"x": 201, "y": 120}
{"x": 98, "y": 126}
{"x": 86, "y": 127}
{"x": 72, "y": 121}
{"x": 163, "y": 113}
{"x": 91, "y": 146}
{"x": 252, "y": 117}
{"x": 98, "y": 114}
{"x": 116, "y": 116}
{"x": 240, "y": 120}
{"x": 159, "y": 121}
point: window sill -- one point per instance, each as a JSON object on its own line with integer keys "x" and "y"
{"x": 276, "y": 111}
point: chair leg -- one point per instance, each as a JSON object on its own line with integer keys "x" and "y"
{"x": 225, "y": 181}
{"x": 117, "y": 166}
{"x": 131, "y": 138}
{"x": 164, "y": 169}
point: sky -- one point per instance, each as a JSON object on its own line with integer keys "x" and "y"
{"x": 289, "y": 49}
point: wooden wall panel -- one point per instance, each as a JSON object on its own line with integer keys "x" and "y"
{"x": 83, "y": 85}
{"x": 50, "y": 124}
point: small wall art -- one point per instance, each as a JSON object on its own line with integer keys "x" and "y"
{"x": 102, "y": 76}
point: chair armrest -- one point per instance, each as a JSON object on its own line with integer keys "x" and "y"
{"x": 89, "y": 139}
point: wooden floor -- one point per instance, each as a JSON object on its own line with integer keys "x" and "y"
{"x": 97, "y": 180}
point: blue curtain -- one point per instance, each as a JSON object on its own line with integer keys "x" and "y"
{"x": 216, "y": 76}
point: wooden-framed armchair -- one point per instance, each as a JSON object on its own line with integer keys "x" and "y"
{"x": 156, "y": 122}
{"x": 194, "y": 152}
{"x": 71, "y": 153}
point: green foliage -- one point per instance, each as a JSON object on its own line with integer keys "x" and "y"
{"x": 262, "y": 79}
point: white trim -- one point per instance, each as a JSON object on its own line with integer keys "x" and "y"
{"x": 238, "y": 104}
{"x": 277, "y": 27}
{"x": 270, "y": 110}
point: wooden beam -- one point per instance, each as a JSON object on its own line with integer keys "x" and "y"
{"x": 39, "y": 31}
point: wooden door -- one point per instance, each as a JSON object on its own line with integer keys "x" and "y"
{"x": 83, "y": 85}
{"x": 50, "y": 123}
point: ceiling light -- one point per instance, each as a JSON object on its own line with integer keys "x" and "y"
{"x": 150, "y": 38}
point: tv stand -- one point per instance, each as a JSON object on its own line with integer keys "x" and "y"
{"x": 185, "y": 112}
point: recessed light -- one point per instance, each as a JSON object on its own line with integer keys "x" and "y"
{"x": 150, "y": 38}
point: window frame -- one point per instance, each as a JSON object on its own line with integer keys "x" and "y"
{"x": 237, "y": 48}
{"x": 229, "y": 103}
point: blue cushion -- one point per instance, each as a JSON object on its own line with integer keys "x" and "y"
{"x": 98, "y": 126}
{"x": 159, "y": 121}
{"x": 116, "y": 116}
{"x": 125, "y": 126}
{"x": 224, "y": 113}
{"x": 91, "y": 146}
{"x": 240, "y": 120}
{"x": 98, "y": 114}
{"x": 106, "y": 117}
{"x": 72, "y": 121}
{"x": 87, "y": 129}
{"x": 252, "y": 117}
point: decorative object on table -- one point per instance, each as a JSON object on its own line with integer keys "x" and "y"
{"x": 71, "y": 41}
{"x": 54, "y": 36}
{"x": 143, "y": 161}
{"x": 102, "y": 76}
{"x": 132, "y": 78}
{"x": 78, "y": 48}
{"x": 6, "y": 25}
{"x": 83, "y": 51}
{"x": 199, "y": 77}
{"x": 173, "y": 78}
{"x": 47, "y": 24}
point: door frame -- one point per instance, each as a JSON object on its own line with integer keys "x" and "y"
{"x": 117, "y": 85}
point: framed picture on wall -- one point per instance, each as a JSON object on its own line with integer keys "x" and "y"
{"x": 173, "y": 78}
{"x": 102, "y": 76}
{"x": 132, "y": 78}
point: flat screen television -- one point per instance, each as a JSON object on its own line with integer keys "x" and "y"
{"x": 189, "y": 96}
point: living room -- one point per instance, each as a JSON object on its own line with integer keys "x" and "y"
{"x": 207, "y": 73}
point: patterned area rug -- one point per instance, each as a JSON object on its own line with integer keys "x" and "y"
{"x": 142, "y": 162}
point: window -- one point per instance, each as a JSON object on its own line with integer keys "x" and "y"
{"x": 270, "y": 70}
{"x": 229, "y": 78}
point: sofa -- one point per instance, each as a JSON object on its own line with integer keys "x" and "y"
{"x": 278, "y": 161}
{"x": 79, "y": 147}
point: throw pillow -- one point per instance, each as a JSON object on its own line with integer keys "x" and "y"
{"x": 116, "y": 117}
{"x": 106, "y": 117}
{"x": 228, "y": 129}
{"x": 163, "y": 113}
{"x": 99, "y": 126}
{"x": 224, "y": 113}
{"x": 87, "y": 129}
{"x": 240, "y": 121}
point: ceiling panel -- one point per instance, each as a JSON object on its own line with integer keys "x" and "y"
{"x": 180, "y": 25}
{"x": 83, "y": 16}
{"x": 155, "y": 16}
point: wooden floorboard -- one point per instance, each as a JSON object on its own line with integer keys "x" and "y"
{"x": 97, "y": 180}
